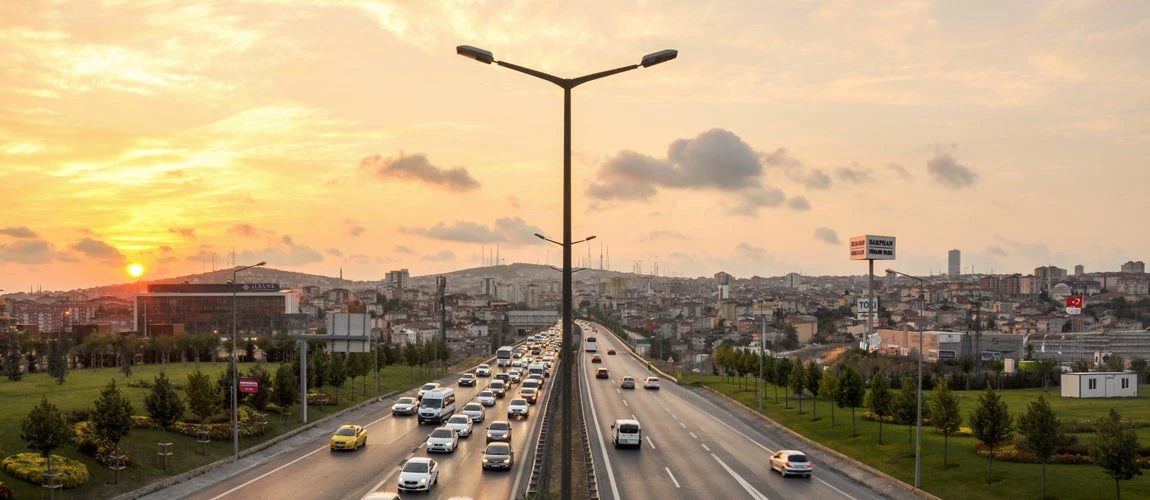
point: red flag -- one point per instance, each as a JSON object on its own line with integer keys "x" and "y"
{"x": 1074, "y": 302}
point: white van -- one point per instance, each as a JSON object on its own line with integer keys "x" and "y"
{"x": 537, "y": 369}
{"x": 627, "y": 432}
{"x": 437, "y": 406}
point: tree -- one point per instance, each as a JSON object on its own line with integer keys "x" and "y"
{"x": 1116, "y": 449}
{"x": 337, "y": 372}
{"x": 204, "y": 398}
{"x": 769, "y": 364}
{"x": 286, "y": 386}
{"x": 905, "y": 409}
{"x": 944, "y": 414}
{"x": 992, "y": 424}
{"x": 782, "y": 376}
{"x": 44, "y": 429}
{"x": 1040, "y": 426}
{"x": 798, "y": 382}
{"x": 224, "y": 380}
{"x": 880, "y": 399}
{"x": 1139, "y": 366}
{"x": 814, "y": 376}
{"x": 1045, "y": 368}
{"x": 112, "y": 415}
{"x": 1113, "y": 364}
{"x": 12, "y": 358}
{"x": 411, "y": 357}
{"x": 830, "y": 389}
{"x": 163, "y": 402}
{"x": 57, "y": 361}
{"x": 259, "y": 399}
{"x": 850, "y": 393}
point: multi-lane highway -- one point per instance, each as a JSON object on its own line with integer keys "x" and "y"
{"x": 310, "y": 470}
{"x": 691, "y": 447}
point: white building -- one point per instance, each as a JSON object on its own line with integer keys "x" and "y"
{"x": 1100, "y": 385}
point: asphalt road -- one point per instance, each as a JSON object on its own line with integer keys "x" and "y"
{"x": 307, "y": 469}
{"x": 692, "y": 448}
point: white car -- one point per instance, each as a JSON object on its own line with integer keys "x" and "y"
{"x": 651, "y": 383}
{"x": 518, "y": 407}
{"x": 418, "y": 474}
{"x": 460, "y": 423}
{"x": 443, "y": 439}
{"x": 475, "y": 411}
{"x": 404, "y": 406}
{"x": 486, "y": 398}
{"x": 794, "y": 462}
{"x": 483, "y": 370}
{"x": 515, "y": 375}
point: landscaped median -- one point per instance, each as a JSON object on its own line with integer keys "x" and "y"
{"x": 966, "y": 475}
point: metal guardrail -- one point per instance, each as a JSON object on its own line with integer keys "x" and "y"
{"x": 589, "y": 459}
{"x": 538, "y": 481}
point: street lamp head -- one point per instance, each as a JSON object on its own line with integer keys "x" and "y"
{"x": 589, "y": 238}
{"x": 540, "y": 236}
{"x": 483, "y": 56}
{"x": 262, "y": 262}
{"x": 656, "y": 57}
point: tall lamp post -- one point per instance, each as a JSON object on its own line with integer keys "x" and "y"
{"x": 566, "y": 355}
{"x": 375, "y": 348}
{"x": 235, "y": 369}
{"x": 921, "y": 354}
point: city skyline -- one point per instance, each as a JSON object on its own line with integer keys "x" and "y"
{"x": 327, "y": 135}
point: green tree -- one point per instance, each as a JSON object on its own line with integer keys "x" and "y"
{"x": 850, "y": 393}
{"x": 411, "y": 357}
{"x": 1115, "y": 449}
{"x": 44, "y": 429}
{"x": 1040, "y": 426}
{"x": 905, "y": 409}
{"x": 337, "y": 372}
{"x": 259, "y": 399}
{"x": 814, "y": 379}
{"x": 163, "y": 402}
{"x": 798, "y": 382}
{"x": 992, "y": 424}
{"x": 829, "y": 386}
{"x": 204, "y": 397}
{"x": 880, "y": 399}
{"x": 769, "y": 364}
{"x": 57, "y": 360}
{"x": 224, "y": 380}
{"x": 1139, "y": 366}
{"x": 782, "y": 377}
{"x": 112, "y": 415}
{"x": 944, "y": 414}
{"x": 11, "y": 350}
{"x": 286, "y": 386}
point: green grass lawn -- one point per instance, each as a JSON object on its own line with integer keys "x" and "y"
{"x": 82, "y": 387}
{"x": 966, "y": 476}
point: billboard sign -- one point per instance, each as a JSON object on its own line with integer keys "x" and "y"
{"x": 872, "y": 247}
{"x": 249, "y": 385}
{"x": 947, "y": 355}
{"x": 864, "y": 308}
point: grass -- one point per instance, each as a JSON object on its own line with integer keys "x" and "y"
{"x": 82, "y": 387}
{"x": 966, "y": 475}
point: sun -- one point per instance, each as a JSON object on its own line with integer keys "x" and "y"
{"x": 135, "y": 270}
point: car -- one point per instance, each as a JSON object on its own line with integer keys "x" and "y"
{"x": 517, "y": 355}
{"x": 467, "y": 380}
{"x": 348, "y": 437}
{"x": 516, "y": 376}
{"x": 627, "y": 432}
{"x": 596, "y": 359}
{"x": 530, "y": 394}
{"x": 611, "y": 352}
{"x": 443, "y": 439}
{"x": 404, "y": 406}
{"x": 486, "y": 398}
{"x": 499, "y": 430}
{"x": 498, "y": 388}
{"x": 519, "y": 364}
{"x": 534, "y": 382}
{"x": 602, "y": 373}
{"x": 627, "y": 382}
{"x": 483, "y": 370}
{"x": 651, "y": 383}
{"x": 498, "y": 456}
{"x": 418, "y": 474}
{"x": 461, "y": 424}
{"x": 792, "y": 462}
{"x": 430, "y": 386}
{"x": 475, "y": 411}
{"x": 518, "y": 407}
{"x": 505, "y": 378}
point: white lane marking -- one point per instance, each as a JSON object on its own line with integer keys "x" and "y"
{"x": 676, "y": 417}
{"x": 682, "y": 425}
{"x": 382, "y": 481}
{"x": 705, "y": 447}
{"x": 676, "y": 481}
{"x": 618, "y": 390}
{"x": 602, "y": 445}
{"x": 650, "y": 443}
{"x": 742, "y": 482}
{"x": 693, "y": 435}
{"x": 668, "y": 409}
{"x": 625, "y": 403}
{"x": 633, "y": 417}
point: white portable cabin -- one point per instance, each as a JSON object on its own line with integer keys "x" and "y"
{"x": 1100, "y": 385}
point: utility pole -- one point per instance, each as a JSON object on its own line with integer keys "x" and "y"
{"x": 441, "y": 284}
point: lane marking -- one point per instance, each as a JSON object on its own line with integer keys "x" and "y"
{"x": 599, "y": 434}
{"x": 625, "y": 403}
{"x": 676, "y": 417}
{"x": 742, "y": 482}
{"x": 705, "y": 447}
{"x": 676, "y": 481}
{"x": 682, "y": 425}
{"x": 650, "y": 443}
{"x": 382, "y": 481}
{"x": 693, "y": 435}
{"x": 633, "y": 417}
{"x": 618, "y": 390}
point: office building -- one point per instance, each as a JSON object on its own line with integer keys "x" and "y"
{"x": 954, "y": 263}
{"x": 1079, "y": 270}
{"x": 1134, "y": 267}
{"x": 167, "y": 309}
{"x": 400, "y": 279}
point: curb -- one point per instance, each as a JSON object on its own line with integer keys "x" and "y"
{"x": 824, "y": 449}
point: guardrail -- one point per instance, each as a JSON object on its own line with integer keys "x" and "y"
{"x": 592, "y": 479}
{"x": 538, "y": 481}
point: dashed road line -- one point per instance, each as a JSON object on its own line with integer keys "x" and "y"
{"x": 693, "y": 435}
{"x": 676, "y": 481}
{"x": 651, "y": 443}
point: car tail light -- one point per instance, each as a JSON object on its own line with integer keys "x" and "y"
{"x": 788, "y": 464}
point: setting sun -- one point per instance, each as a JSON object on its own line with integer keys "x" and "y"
{"x": 135, "y": 270}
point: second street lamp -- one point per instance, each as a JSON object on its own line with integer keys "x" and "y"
{"x": 566, "y": 355}
{"x": 921, "y": 329}
{"x": 235, "y": 369}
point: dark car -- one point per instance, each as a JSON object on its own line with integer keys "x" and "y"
{"x": 596, "y": 359}
{"x": 498, "y": 456}
{"x": 506, "y": 378}
{"x": 611, "y": 352}
{"x": 602, "y": 373}
{"x": 467, "y": 380}
{"x": 499, "y": 430}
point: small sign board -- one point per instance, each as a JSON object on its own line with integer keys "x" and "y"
{"x": 249, "y": 385}
{"x": 946, "y": 354}
{"x": 864, "y": 308}
{"x": 872, "y": 247}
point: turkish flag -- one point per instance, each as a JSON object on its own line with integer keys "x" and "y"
{"x": 1074, "y": 302}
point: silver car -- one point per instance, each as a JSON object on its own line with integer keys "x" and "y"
{"x": 499, "y": 430}
{"x": 792, "y": 462}
{"x": 476, "y": 411}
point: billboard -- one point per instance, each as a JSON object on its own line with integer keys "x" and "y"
{"x": 864, "y": 308}
{"x": 348, "y": 332}
{"x": 872, "y": 247}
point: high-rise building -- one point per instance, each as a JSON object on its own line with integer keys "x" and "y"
{"x": 724, "y": 282}
{"x": 1134, "y": 267}
{"x": 489, "y": 287}
{"x": 954, "y": 263}
{"x": 400, "y": 279}
{"x": 1046, "y": 277}
{"x": 792, "y": 280}
{"x": 1079, "y": 270}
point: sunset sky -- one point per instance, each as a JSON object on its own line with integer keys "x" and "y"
{"x": 325, "y": 134}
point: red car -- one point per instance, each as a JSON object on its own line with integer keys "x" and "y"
{"x": 596, "y": 359}
{"x": 602, "y": 373}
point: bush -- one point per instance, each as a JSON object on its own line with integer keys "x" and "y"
{"x": 90, "y": 443}
{"x": 140, "y": 383}
{"x": 322, "y": 398}
{"x": 6, "y": 492}
{"x": 144, "y": 422}
{"x": 274, "y": 408}
{"x": 222, "y": 431}
{"x": 78, "y": 415}
{"x": 31, "y": 467}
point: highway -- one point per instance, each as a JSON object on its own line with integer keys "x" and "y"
{"x": 692, "y": 448}
{"x": 310, "y": 470}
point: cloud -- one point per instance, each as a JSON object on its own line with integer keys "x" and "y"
{"x": 747, "y": 250}
{"x": 853, "y": 174}
{"x": 780, "y": 158}
{"x": 27, "y": 252}
{"x": 513, "y": 201}
{"x": 284, "y": 253}
{"x": 751, "y": 201}
{"x": 947, "y": 171}
{"x": 334, "y": 252}
{"x": 512, "y": 230}
{"x": 187, "y": 232}
{"x": 97, "y": 249}
{"x": 902, "y": 172}
{"x": 799, "y": 204}
{"x": 248, "y": 231}
{"x": 827, "y": 235}
{"x": 203, "y": 256}
{"x": 996, "y": 250}
{"x": 18, "y": 232}
{"x": 817, "y": 180}
{"x": 417, "y": 167}
{"x": 1035, "y": 252}
{"x": 354, "y": 227}
{"x": 404, "y": 249}
{"x": 662, "y": 234}
{"x": 442, "y": 256}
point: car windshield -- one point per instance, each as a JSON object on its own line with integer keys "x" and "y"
{"x": 441, "y": 433}
{"x": 498, "y": 449}
{"x": 468, "y": 375}
{"x": 473, "y": 406}
{"x": 528, "y": 390}
{"x": 628, "y": 379}
{"x": 459, "y": 419}
{"x": 485, "y": 365}
{"x": 345, "y": 431}
{"x": 518, "y": 402}
{"x": 432, "y": 403}
{"x": 628, "y": 428}
{"x": 500, "y": 426}
{"x": 486, "y": 394}
{"x": 405, "y": 401}
{"x": 797, "y": 458}
{"x": 652, "y": 379}
{"x": 428, "y": 387}
{"x": 498, "y": 384}
{"x": 415, "y": 467}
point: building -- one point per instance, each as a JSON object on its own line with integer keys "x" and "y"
{"x": 1079, "y": 270}
{"x": 400, "y": 279}
{"x": 1100, "y": 385}
{"x": 488, "y": 287}
{"x": 1134, "y": 267}
{"x": 723, "y": 280}
{"x": 167, "y": 309}
{"x": 954, "y": 263}
{"x": 792, "y": 280}
{"x": 1046, "y": 277}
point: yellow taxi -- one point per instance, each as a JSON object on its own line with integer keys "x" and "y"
{"x": 349, "y": 437}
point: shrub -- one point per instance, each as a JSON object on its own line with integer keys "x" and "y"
{"x": 78, "y": 415}
{"x": 6, "y": 492}
{"x": 140, "y": 383}
{"x": 31, "y": 467}
{"x": 222, "y": 431}
{"x": 92, "y": 444}
{"x": 144, "y": 422}
{"x": 320, "y": 398}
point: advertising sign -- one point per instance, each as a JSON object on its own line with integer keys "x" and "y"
{"x": 249, "y": 385}
{"x": 864, "y": 308}
{"x": 872, "y": 247}
{"x": 946, "y": 354}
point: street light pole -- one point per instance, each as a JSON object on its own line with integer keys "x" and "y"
{"x": 566, "y": 355}
{"x": 921, "y": 354}
{"x": 235, "y": 369}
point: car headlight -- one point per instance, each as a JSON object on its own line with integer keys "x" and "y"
{"x": 484, "y": 459}
{"x": 422, "y": 481}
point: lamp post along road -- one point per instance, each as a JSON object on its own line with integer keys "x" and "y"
{"x": 921, "y": 329}
{"x": 235, "y": 369}
{"x": 566, "y": 355}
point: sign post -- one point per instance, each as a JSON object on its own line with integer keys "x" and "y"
{"x": 870, "y": 248}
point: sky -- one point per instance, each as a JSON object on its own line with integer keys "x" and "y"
{"x": 332, "y": 135}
